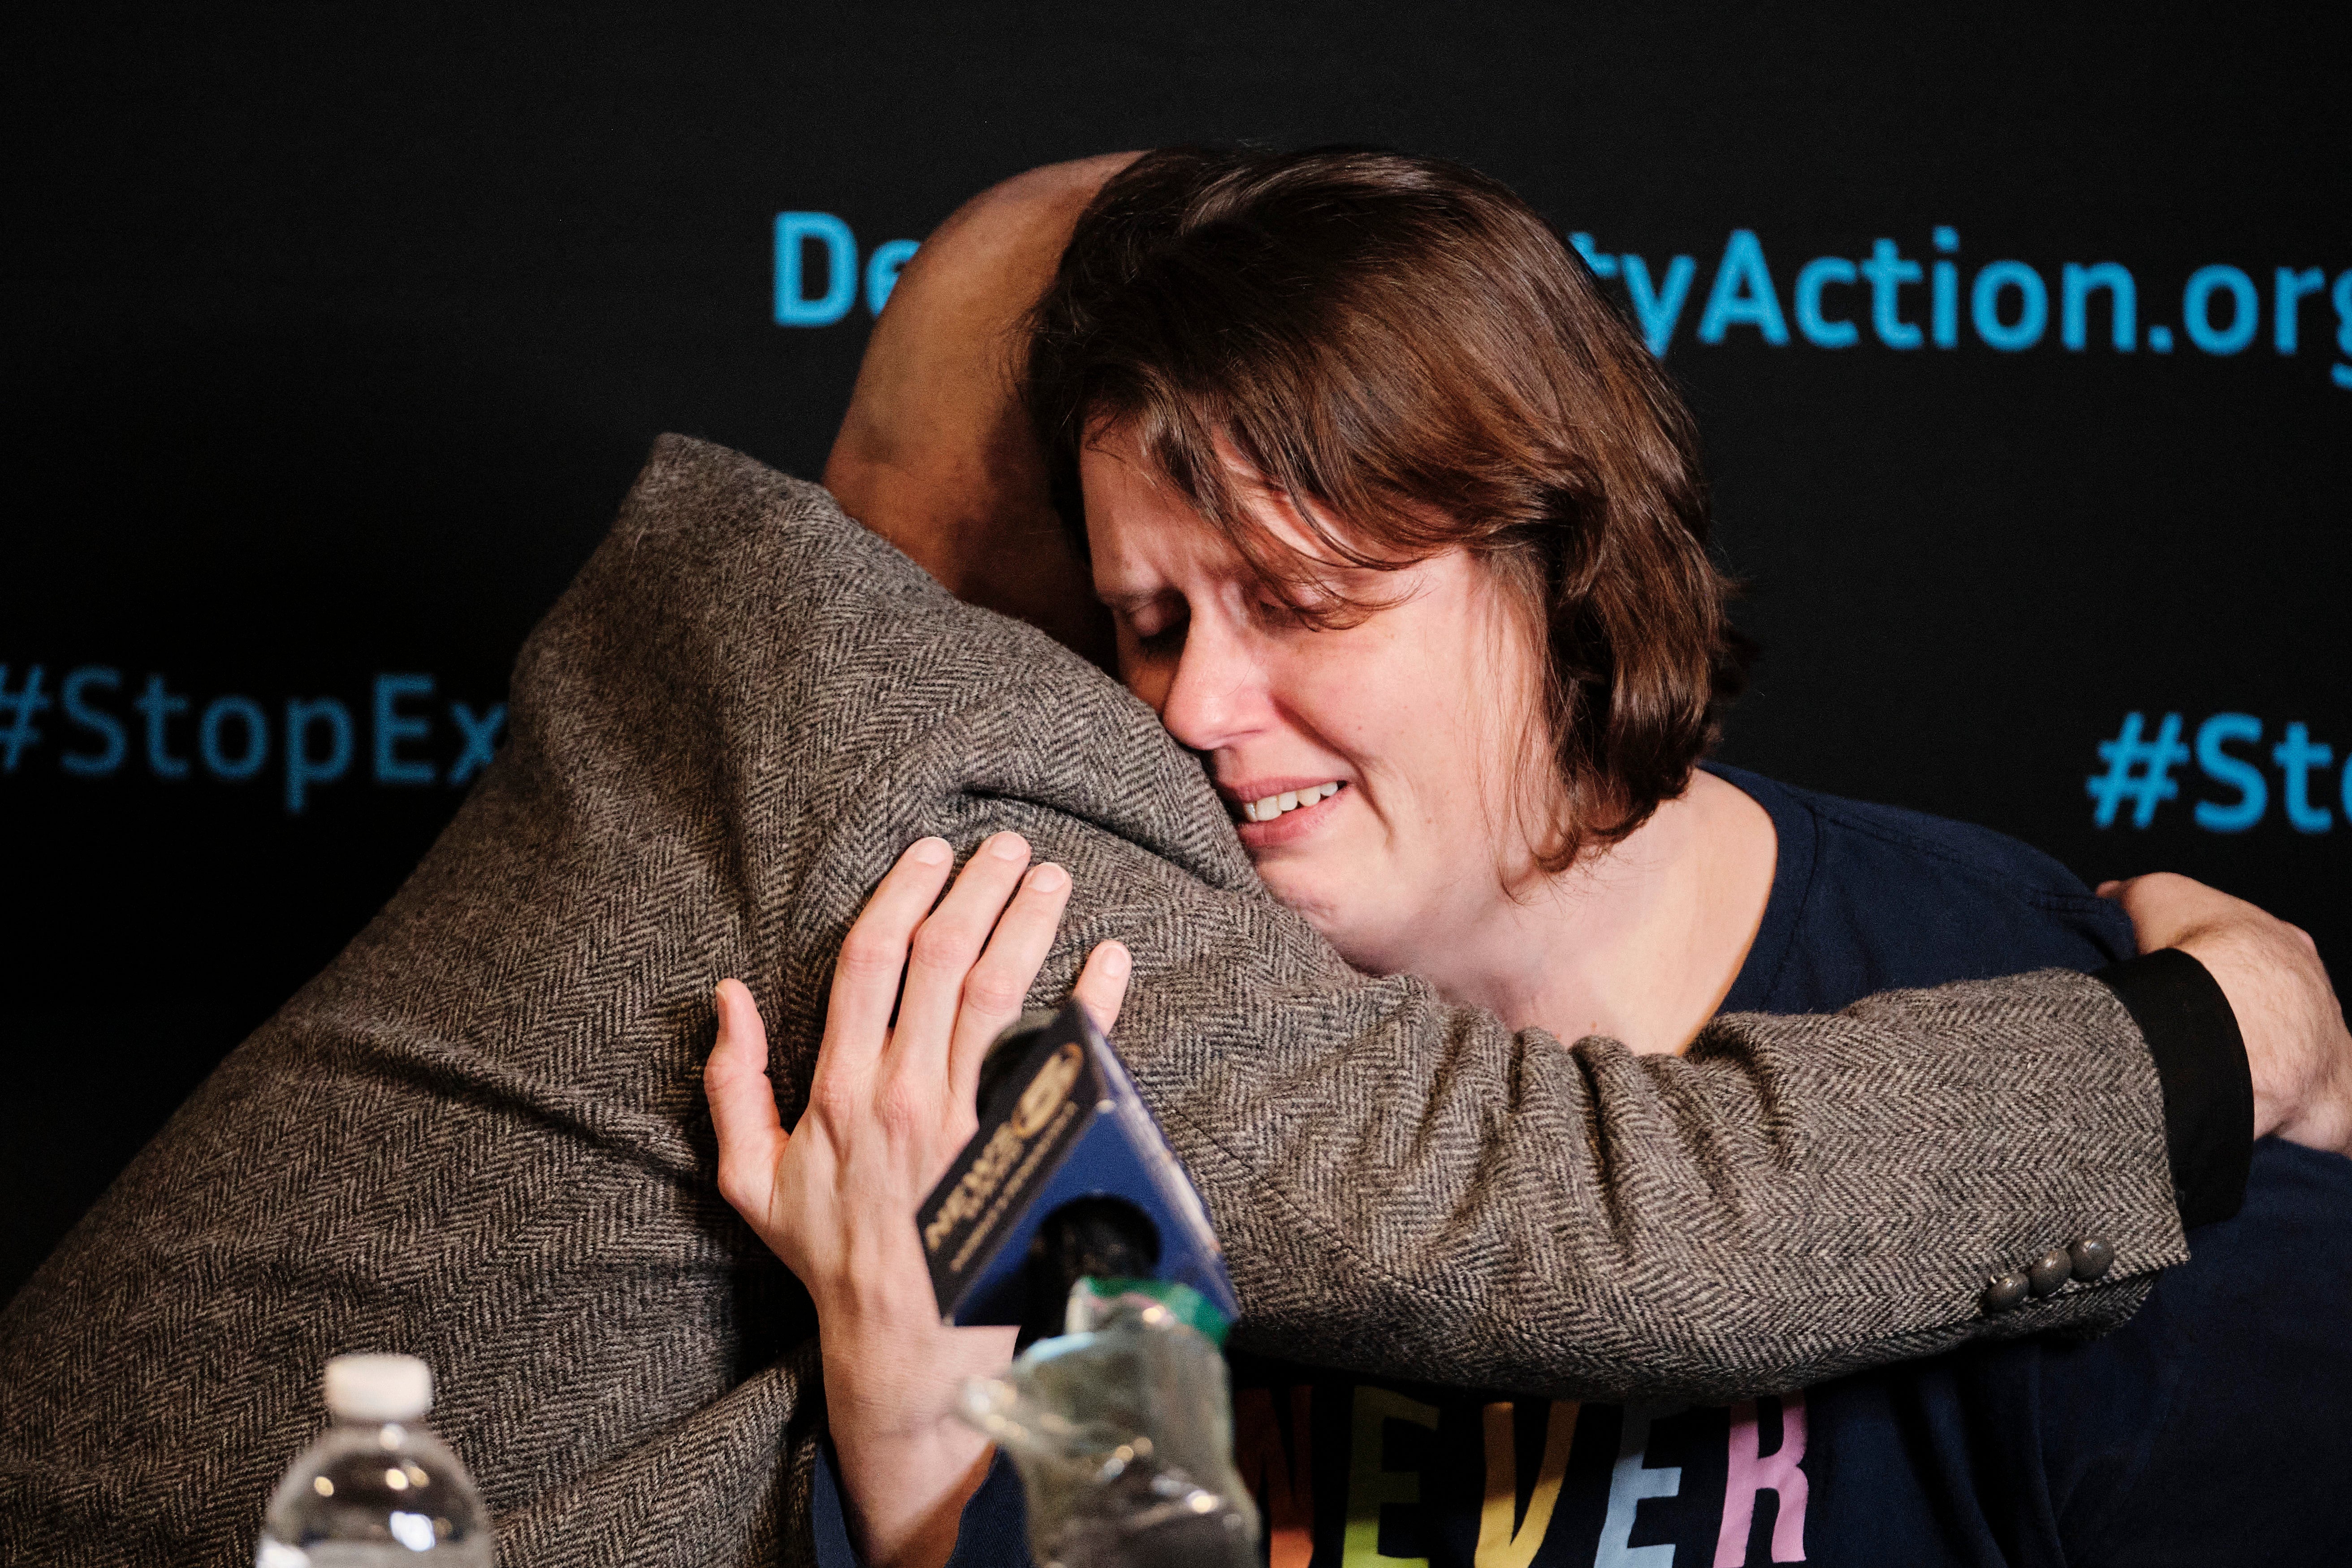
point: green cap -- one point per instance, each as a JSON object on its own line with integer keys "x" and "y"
{"x": 1186, "y": 1305}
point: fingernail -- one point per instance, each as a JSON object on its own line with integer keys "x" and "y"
{"x": 1049, "y": 879}
{"x": 1115, "y": 958}
{"x": 929, "y": 852}
{"x": 1009, "y": 847}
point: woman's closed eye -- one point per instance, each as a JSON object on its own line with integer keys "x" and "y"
{"x": 1157, "y": 630}
{"x": 1273, "y": 613}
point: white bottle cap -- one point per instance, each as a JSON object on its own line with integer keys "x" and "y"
{"x": 378, "y": 1387}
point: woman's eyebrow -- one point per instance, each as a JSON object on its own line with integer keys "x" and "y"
{"x": 1134, "y": 599}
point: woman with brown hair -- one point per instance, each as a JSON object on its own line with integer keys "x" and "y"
{"x": 1454, "y": 562}
{"x": 1402, "y": 530}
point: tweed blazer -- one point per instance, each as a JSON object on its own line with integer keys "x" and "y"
{"x": 479, "y": 1135}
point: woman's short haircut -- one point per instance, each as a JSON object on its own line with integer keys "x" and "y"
{"x": 1407, "y": 344}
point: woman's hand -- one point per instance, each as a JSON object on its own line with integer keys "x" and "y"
{"x": 888, "y": 1108}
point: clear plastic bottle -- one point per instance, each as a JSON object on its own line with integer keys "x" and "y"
{"x": 376, "y": 1490}
{"x": 1122, "y": 1432}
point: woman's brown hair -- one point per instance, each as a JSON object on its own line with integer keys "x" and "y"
{"x": 1405, "y": 344}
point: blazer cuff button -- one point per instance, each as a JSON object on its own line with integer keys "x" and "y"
{"x": 2091, "y": 1258}
{"x": 2003, "y": 1292}
{"x": 2050, "y": 1270}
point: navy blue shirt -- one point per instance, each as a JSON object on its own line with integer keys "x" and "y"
{"x": 2215, "y": 1429}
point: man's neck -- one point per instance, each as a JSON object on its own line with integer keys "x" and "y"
{"x": 1640, "y": 943}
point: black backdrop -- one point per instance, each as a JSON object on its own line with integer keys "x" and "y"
{"x": 334, "y": 338}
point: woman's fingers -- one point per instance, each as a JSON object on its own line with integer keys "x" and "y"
{"x": 1102, "y": 984}
{"x": 873, "y": 956}
{"x": 968, "y": 961}
{"x": 999, "y": 984}
{"x": 743, "y": 1105}
{"x": 941, "y": 966}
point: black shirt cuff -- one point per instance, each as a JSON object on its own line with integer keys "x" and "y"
{"x": 2200, "y": 1061}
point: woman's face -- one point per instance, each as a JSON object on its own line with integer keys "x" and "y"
{"x": 1367, "y": 767}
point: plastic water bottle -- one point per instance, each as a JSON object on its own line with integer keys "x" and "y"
{"x": 1123, "y": 1431}
{"x": 376, "y": 1490}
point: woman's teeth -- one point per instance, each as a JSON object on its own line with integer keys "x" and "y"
{"x": 1273, "y": 806}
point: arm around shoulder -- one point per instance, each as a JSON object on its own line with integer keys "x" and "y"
{"x": 1419, "y": 1192}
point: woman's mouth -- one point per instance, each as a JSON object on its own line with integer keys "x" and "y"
{"x": 1268, "y": 817}
{"x": 1273, "y": 806}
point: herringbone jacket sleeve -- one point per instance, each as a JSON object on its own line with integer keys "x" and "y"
{"x": 478, "y": 1135}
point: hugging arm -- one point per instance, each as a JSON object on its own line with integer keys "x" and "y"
{"x": 1408, "y": 1188}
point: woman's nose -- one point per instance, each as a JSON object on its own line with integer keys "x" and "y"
{"x": 1217, "y": 694}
